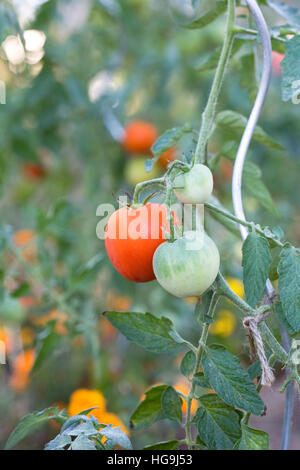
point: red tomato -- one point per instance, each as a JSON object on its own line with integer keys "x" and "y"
{"x": 131, "y": 238}
{"x": 277, "y": 57}
{"x": 139, "y": 137}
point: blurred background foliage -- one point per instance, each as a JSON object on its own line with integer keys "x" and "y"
{"x": 76, "y": 71}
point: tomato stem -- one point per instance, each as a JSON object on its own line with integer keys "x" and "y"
{"x": 267, "y": 335}
{"x": 245, "y": 223}
{"x": 145, "y": 184}
{"x": 209, "y": 112}
{"x": 199, "y": 356}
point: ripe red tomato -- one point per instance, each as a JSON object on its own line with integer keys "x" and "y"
{"x": 131, "y": 238}
{"x": 139, "y": 137}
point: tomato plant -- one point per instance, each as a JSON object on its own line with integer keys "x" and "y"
{"x": 81, "y": 122}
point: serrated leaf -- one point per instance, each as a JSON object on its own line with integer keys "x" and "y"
{"x": 188, "y": 363}
{"x": 59, "y": 442}
{"x": 154, "y": 334}
{"x": 82, "y": 442}
{"x": 165, "y": 445}
{"x": 256, "y": 263}
{"x": 150, "y": 409}
{"x": 30, "y": 423}
{"x": 290, "y": 78}
{"x": 253, "y": 439}
{"x": 236, "y": 123}
{"x": 289, "y": 286}
{"x": 254, "y": 370}
{"x": 210, "y": 16}
{"x": 116, "y": 436}
{"x": 201, "y": 381}
{"x": 171, "y": 404}
{"x": 217, "y": 423}
{"x": 168, "y": 139}
{"x": 291, "y": 14}
{"x": 230, "y": 381}
{"x": 282, "y": 318}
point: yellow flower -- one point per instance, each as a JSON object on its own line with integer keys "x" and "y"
{"x": 236, "y": 285}
{"x": 224, "y": 324}
{"x": 83, "y": 399}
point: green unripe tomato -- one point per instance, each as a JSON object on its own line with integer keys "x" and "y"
{"x": 11, "y": 311}
{"x": 194, "y": 186}
{"x": 188, "y": 266}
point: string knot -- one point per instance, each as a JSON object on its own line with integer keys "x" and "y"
{"x": 257, "y": 346}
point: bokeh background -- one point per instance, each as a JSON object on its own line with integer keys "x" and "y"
{"x": 83, "y": 70}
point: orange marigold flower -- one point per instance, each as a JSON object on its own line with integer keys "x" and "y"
{"x": 21, "y": 370}
{"x": 83, "y": 399}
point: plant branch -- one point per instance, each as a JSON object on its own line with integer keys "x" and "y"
{"x": 199, "y": 355}
{"x": 245, "y": 223}
{"x": 209, "y": 112}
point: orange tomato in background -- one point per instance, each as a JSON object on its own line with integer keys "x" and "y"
{"x": 139, "y": 137}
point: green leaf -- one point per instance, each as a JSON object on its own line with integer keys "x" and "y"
{"x": 236, "y": 123}
{"x": 154, "y": 334}
{"x": 115, "y": 436}
{"x": 290, "y": 79}
{"x": 165, "y": 141}
{"x": 288, "y": 12}
{"x": 171, "y": 404}
{"x": 188, "y": 363}
{"x": 210, "y": 16}
{"x": 248, "y": 76}
{"x": 201, "y": 381}
{"x": 289, "y": 286}
{"x": 218, "y": 424}
{"x": 230, "y": 381}
{"x": 254, "y": 370}
{"x": 31, "y": 423}
{"x": 282, "y": 318}
{"x": 253, "y": 439}
{"x": 150, "y": 409}
{"x": 256, "y": 264}
{"x": 81, "y": 442}
{"x": 260, "y": 192}
{"x": 59, "y": 442}
{"x": 166, "y": 445}
{"x": 48, "y": 343}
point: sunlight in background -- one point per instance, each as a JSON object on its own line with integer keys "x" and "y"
{"x": 33, "y": 52}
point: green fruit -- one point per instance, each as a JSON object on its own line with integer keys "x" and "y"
{"x": 194, "y": 186}
{"x": 188, "y": 266}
